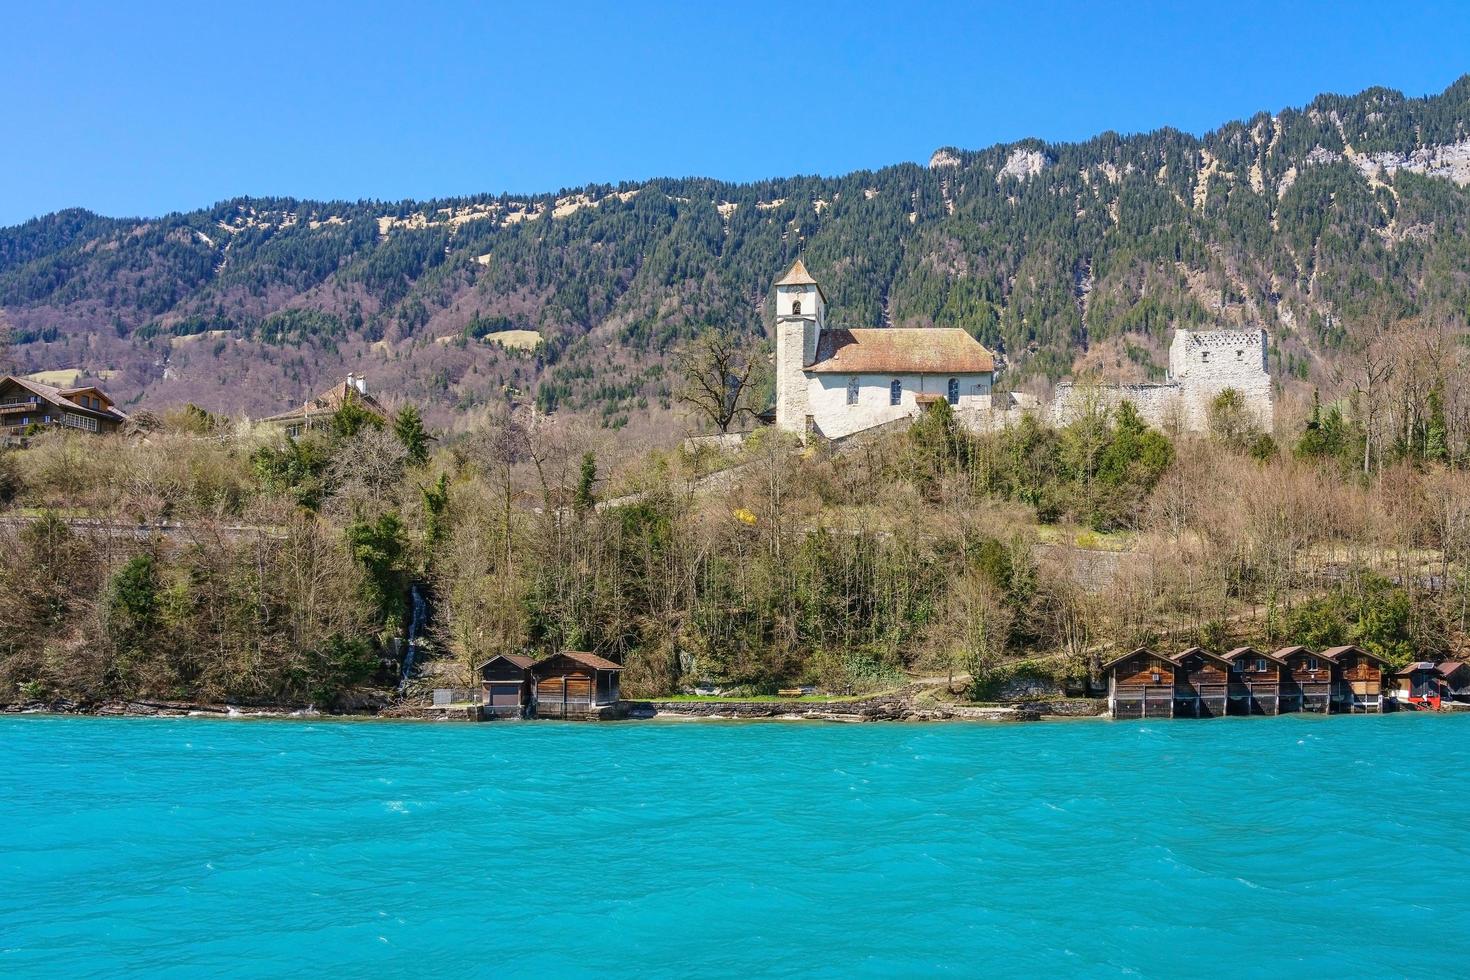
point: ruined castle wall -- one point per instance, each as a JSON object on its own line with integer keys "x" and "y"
{"x": 1163, "y": 405}
{"x": 1208, "y": 362}
{"x": 1201, "y": 365}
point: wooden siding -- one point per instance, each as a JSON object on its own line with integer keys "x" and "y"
{"x": 1201, "y": 686}
{"x": 1360, "y": 683}
{"x": 505, "y": 688}
{"x": 565, "y": 688}
{"x": 1141, "y": 686}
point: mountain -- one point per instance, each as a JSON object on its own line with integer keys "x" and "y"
{"x": 1057, "y": 255}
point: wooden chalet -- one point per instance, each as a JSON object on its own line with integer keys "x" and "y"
{"x": 1430, "y": 685}
{"x": 1255, "y": 682}
{"x": 317, "y": 412}
{"x": 505, "y": 686}
{"x": 1201, "y": 684}
{"x": 1308, "y": 681}
{"x": 1141, "y": 685}
{"x": 572, "y": 684}
{"x": 1358, "y": 679}
{"x": 27, "y": 405}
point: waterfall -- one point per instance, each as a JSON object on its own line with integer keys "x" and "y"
{"x": 415, "y": 628}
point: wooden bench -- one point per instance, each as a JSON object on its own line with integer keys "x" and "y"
{"x": 789, "y": 692}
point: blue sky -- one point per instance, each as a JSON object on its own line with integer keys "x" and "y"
{"x": 143, "y": 108}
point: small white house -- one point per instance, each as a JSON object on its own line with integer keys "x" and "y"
{"x": 838, "y": 382}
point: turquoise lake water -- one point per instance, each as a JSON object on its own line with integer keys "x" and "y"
{"x": 263, "y": 848}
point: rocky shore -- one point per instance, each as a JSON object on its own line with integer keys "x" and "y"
{"x": 153, "y": 708}
{"x": 909, "y": 704}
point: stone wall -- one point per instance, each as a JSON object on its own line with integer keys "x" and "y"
{"x": 1202, "y": 364}
{"x": 1163, "y": 405}
{"x": 1208, "y": 362}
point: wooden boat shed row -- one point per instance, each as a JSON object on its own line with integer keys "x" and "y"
{"x": 1198, "y": 684}
{"x": 570, "y": 684}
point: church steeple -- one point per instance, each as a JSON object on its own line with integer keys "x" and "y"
{"x": 798, "y": 276}
{"x": 798, "y": 294}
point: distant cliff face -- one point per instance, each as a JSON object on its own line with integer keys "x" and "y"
{"x": 1299, "y": 222}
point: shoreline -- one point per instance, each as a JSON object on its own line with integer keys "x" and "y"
{"x": 902, "y": 706}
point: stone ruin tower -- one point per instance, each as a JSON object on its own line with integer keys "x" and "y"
{"x": 1205, "y": 363}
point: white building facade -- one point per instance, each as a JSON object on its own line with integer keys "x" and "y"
{"x": 836, "y": 382}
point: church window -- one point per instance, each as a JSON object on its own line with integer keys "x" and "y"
{"x": 796, "y": 308}
{"x": 954, "y": 391}
{"x": 1240, "y": 354}
{"x": 895, "y": 392}
{"x": 852, "y": 391}
{"x": 1204, "y": 355}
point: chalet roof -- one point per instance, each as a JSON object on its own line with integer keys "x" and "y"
{"x": 328, "y": 402}
{"x": 1285, "y": 652}
{"x": 901, "y": 350}
{"x": 1238, "y": 652}
{"x": 524, "y": 663}
{"x": 60, "y": 397}
{"x": 1133, "y": 653}
{"x": 1333, "y": 653}
{"x": 1444, "y": 669}
{"x": 1202, "y": 652}
{"x": 585, "y": 659}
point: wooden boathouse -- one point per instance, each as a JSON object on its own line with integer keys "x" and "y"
{"x": 1141, "y": 685}
{"x": 572, "y": 684}
{"x": 1430, "y": 685}
{"x": 1308, "y": 681}
{"x": 505, "y": 686}
{"x": 1255, "y": 682}
{"x": 1196, "y": 683}
{"x": 1201, "y": 684}
{"x": 1358, "y": 676}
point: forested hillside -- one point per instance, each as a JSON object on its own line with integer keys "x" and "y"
{"x": 1316, "y": 223}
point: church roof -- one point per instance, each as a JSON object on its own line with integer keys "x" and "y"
{"x": 901, "y": 350}
{"x": 798, "y": 276}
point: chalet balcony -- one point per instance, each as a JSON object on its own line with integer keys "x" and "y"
{"x": 14, "y": 406}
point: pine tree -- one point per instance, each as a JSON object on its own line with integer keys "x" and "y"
{"x": 586, "y": 499}
{"x": 408, "y": 426}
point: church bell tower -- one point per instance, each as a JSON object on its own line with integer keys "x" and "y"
{"x": 801, "y": 313}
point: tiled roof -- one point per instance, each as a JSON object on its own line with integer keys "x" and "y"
{"x": 328, "y": 402}
{"x": 1333, "y": 653}
{"x": 1133, "y": 653}
{"x": 1238, "y": 652}
{"x": 513, "y": 658}
{"x": 585, "y": 659}
{"x": 901, "y": 350}
{"x": 798, "y": 276}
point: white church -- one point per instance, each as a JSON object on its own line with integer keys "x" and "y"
{"x": 836, "y": 382}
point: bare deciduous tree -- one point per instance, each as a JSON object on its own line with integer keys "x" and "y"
{"x": 721, "y": 377}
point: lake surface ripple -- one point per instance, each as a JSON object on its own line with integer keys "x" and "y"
{"x": 200, "y": 847}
